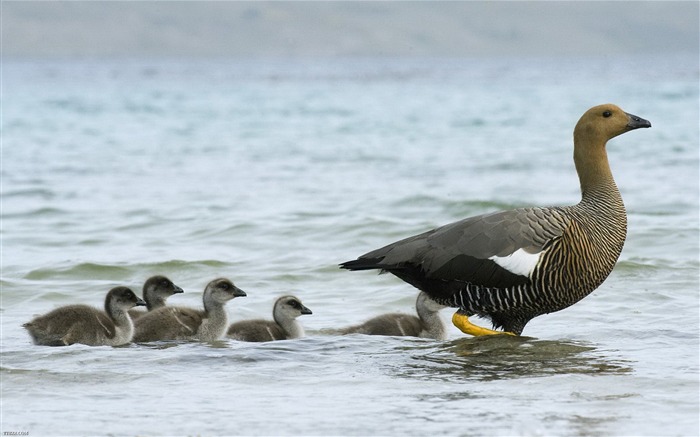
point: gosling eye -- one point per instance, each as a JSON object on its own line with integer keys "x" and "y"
{"x": 607, "y": 114}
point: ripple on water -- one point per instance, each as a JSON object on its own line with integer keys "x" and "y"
{"x": 505, "y": 357}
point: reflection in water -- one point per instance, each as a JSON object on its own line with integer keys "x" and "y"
{"x": 504, "y": 357}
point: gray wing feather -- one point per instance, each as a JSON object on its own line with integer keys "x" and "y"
{"x": 388, "y": 324}
{"x": 256, "y": 330}
{"x": 167, "y": 323}
{"x": 481, "y": 237}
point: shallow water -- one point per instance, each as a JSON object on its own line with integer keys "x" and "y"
{"x": 271, "y": 172}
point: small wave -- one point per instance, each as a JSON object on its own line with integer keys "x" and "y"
{"x": 38, "y": 212}
{"x": 97, "y": 271}
{"x": 76, "y": 105}
{"x": 481, "y": 206}
{"x": 639, "y": 264}
{"x": 43, "y": 193}
{"x": 79, "y": 271}
{"x": 417, "y": 199}
{"x": 456, "y": 208}
{"x": 215, "y": 231}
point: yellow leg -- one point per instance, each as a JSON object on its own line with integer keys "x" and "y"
{"x": 462, "y": 322}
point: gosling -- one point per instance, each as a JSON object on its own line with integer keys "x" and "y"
{"x": 428, "y": 324}
{"x": 177, "y": 323}
{"x": 284, "y": 327}
{"x": 87, "y": 325}
{"x": 155, "y": 291}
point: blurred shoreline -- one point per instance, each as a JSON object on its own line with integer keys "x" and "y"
{"x": 354, "y": 29}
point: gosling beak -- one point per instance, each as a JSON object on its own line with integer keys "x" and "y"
{"x": 237, "y": 292}
{"x": 305, "y": 310}
{"x": 140, "y": 302}
{"x": 177, "y": 290}
{"x": 635, "y": 122}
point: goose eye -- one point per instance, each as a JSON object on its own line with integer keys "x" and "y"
{"x": 607, "y": 114}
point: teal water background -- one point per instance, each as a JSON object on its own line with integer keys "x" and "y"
{"x": 273, "y": 171}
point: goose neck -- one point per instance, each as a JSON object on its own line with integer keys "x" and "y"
{"x": 119, "y": 316}
{"x": 432, "y": 322}
{"x": 153, "y": 302}
{"x": 291, "y": 327}
{"x": 593, "y": 168}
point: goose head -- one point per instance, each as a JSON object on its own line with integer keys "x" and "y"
{"x": 157, "y": 289}
{"x": 289, "y": 308}
{"x": 222, "y": 290}
{"x": 604, "y": 122}
{"x": 122, "y": 299}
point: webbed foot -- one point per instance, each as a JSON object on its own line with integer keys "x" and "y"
{"x": 462, "y": 322}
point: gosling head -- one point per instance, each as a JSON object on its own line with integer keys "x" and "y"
{"x": 289, "y": 308}
{"x": 603, "y": 122}
{"x": 122, "y": 298}
{"x": 157, "y": 289}
{"x": 222, "y": 290}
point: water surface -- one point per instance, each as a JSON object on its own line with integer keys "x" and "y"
{"x": 271, "y": 172}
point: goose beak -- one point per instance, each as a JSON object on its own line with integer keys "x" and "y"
{"x": 635, "y": 122}
{"x": 178, "y": 290}
{"x": 305, "y": 310}
{"x": 140, "y": 302}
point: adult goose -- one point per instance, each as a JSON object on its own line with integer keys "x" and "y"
{"x": 285, "y": 325}
{"x": 428, "y": 324}
{"x": 155, "y": 291}
{"x": 177, "y": 323}
{"x": 512, "y": 266}
{"x": 87, "y": 325}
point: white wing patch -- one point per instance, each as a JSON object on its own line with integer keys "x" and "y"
{"x": 519, "y": 262}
